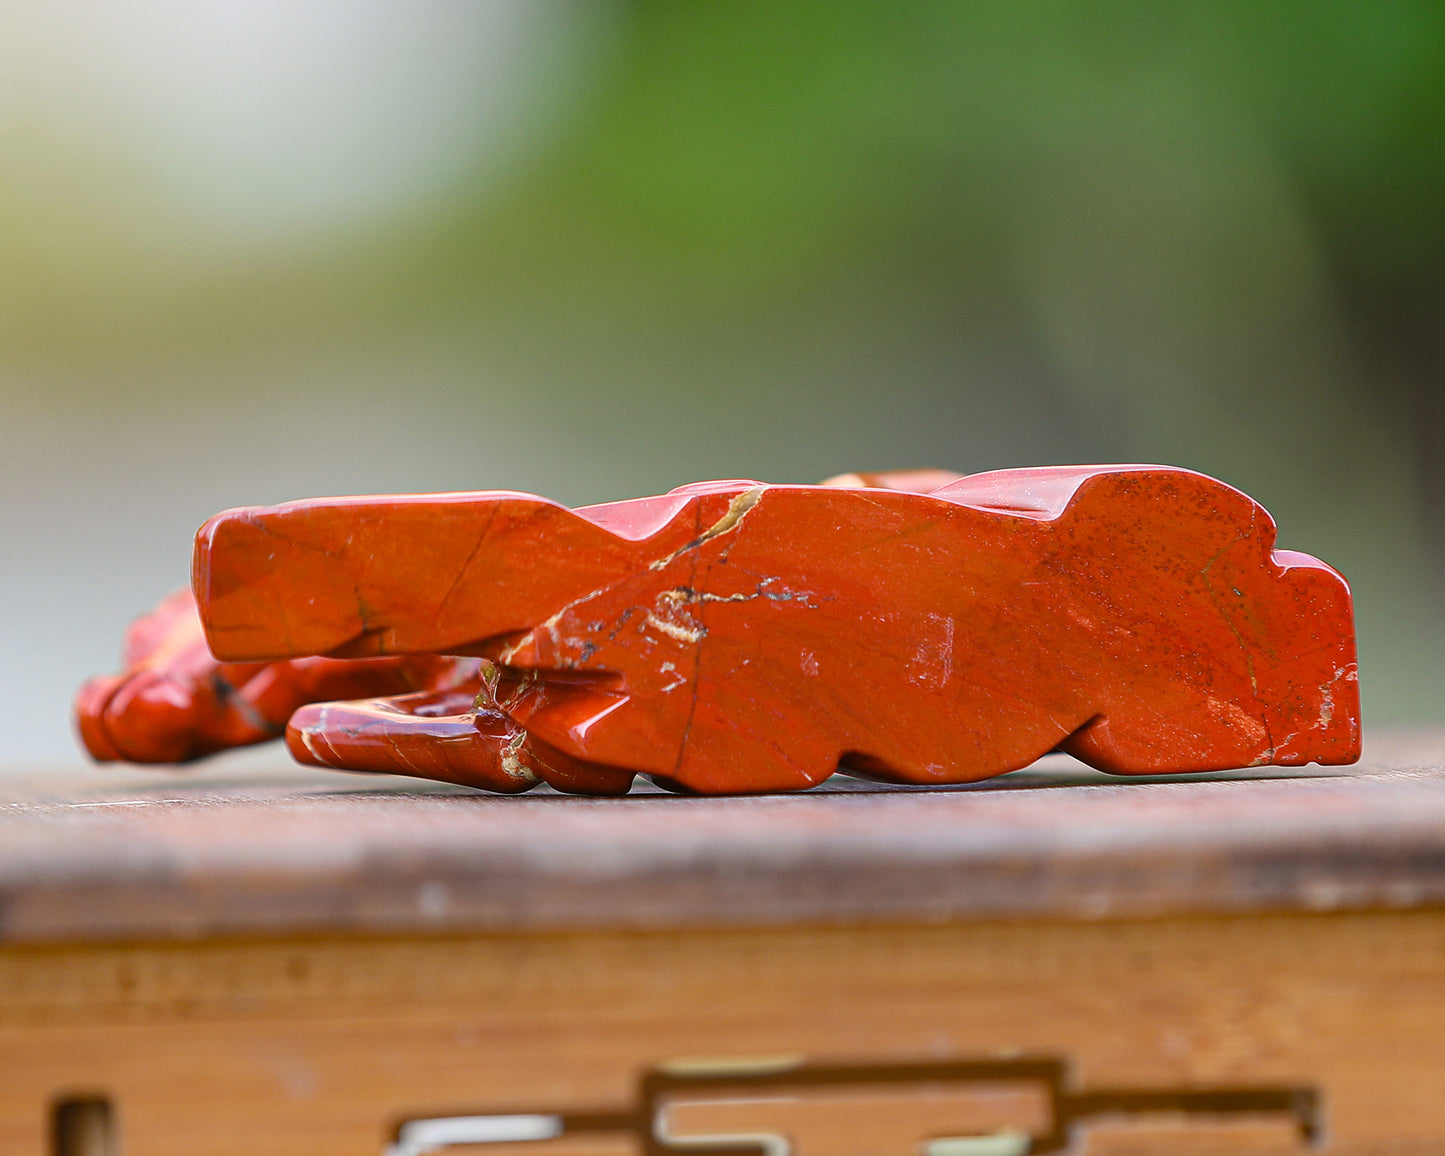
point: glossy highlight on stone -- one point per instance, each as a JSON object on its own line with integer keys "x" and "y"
{"x": 736, "y": 636}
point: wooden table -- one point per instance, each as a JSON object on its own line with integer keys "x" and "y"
{"x": 296, "y": 962}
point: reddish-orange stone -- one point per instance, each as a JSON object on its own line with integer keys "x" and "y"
{"x": 460, "y": 734}
{"x": 174, "y": 702}
{"x": 734, "y": 636}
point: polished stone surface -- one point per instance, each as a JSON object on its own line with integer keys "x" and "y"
{"x": 740, "y": 637}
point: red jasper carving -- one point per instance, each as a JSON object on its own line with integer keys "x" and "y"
{"x": 175, "y": 702}
{"x": 462, "y": 734}
{"x": 734, "y": 636}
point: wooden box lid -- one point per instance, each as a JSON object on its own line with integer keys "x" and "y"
{"x": 231, "y": 849}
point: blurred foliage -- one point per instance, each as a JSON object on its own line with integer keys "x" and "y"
{"x": 1103, "y": 230}
{"x": 1209, "y": 233}
{"x": 737, "y": 154}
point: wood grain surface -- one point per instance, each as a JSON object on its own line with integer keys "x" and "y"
{"x": 321, "y": 1046}
{"x": 294, "y": 962}
{"x": 145, "y": 855}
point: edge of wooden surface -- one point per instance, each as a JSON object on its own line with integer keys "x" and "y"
{"x": 137, "y": 855}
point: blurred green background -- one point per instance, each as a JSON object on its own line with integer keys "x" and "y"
{"x": 253, "y": 250}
